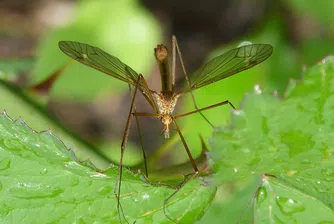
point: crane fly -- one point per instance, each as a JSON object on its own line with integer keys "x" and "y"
{"x": 164, "y": 102}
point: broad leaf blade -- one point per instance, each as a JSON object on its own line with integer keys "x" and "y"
{"x": 41, "y": 182}
{"x": 292, "y": 140}
{"x": 15, "y": 102}
{"x": 279, "y": 202}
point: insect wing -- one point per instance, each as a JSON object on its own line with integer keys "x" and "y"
{"x": 100, "y": 60}
{"x": 230, "y": 63}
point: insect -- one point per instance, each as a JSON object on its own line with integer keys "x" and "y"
{"x": 164, "y": 102}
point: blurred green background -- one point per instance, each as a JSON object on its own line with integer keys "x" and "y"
{"x": 95, "y": 106}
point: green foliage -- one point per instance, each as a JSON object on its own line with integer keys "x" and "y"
{"x": 287, "y": 143}
{"x": 121, "y": 28}
{"x": 16, "y": 103}
{"x": 290, "y": 143}
{"x": 321, "y": 11}
{"x": 13, "y": 67}
{"x": 268, "y": 74}
{"x": 288, "y": 139}
{"x": 41, "y": 182}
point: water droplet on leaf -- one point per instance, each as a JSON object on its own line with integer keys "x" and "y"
{"x": 4, "y": 164}
{"x": 261, "y": 194}
{"x": 146, "y": 196}
{"x": 105, "y": 190}
{"x": 44, "y": 171}
{"x": 32, "y": 190}
{"x": 13, "y": 145}
{"x": 289, "y": 206}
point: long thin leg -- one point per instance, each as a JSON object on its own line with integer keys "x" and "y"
{"x": 117, "y": 190}
{"x": 142, "y": 145}
{"x": 147, "y": 93}
{"x": 187, "y": 79}
{"x": 205, "y": 108}
{"x": 139, "y": 132}
{"x": 186, "y": 147}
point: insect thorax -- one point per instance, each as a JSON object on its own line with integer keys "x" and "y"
{"x": 166, "y": 102}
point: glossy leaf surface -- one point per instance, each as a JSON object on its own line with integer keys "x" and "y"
{"x": 291, "y": 142}
{"x": 42, "y": 182}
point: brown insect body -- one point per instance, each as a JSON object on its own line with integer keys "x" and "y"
{"x": 166, "y": 101}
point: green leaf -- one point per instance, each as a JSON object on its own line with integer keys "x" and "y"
{"x": 229, "y": 203}
{"x": 290, "y": 143}
{"x": 15, "y": 102}
{"x": 42, "y": 182}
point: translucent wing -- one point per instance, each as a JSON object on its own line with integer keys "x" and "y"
{"x": 230, "y": 63}
{"x": 96, "y": 58}
{"x": 100, "y": 60}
